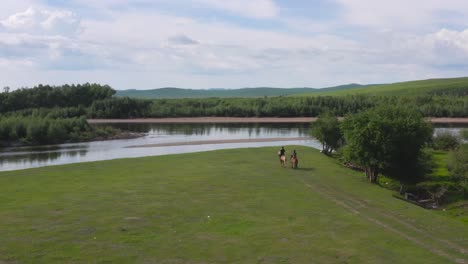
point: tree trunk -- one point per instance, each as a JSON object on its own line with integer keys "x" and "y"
{"x": 371, "y": 174}
{"x": 326, "y": 149}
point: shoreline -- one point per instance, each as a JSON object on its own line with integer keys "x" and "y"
{"x": 218, "y": 141}
{"x": 220, "y": 120}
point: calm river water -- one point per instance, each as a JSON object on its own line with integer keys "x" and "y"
{"x": 23, "y": 158}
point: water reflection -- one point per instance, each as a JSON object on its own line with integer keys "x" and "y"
{"x": 40, "y": 157}
{"x": 30, "y": 157}
{"x": 207, "y": 129}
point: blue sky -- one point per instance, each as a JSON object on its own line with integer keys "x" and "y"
{"x": 145, "y": 44}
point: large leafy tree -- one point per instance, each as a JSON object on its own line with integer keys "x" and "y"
{"x": 327, "y": 130}
{"x": 386, "y": 139}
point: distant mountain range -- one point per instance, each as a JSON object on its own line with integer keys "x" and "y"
{"x": 447, "y": 86}
{"x": 172, "y": 92}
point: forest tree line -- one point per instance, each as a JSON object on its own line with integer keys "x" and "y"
{"x": 429, "y": 106}
{"x": 98, "y": 101}
{"x": 50, "y": 114}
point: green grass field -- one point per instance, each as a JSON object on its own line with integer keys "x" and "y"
{"x": 227, "y": 206}
{"x": 454, "y": 86}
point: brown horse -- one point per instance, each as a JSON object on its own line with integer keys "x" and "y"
{"x": 283, "y": 160}
{"x": 294, "y": 162}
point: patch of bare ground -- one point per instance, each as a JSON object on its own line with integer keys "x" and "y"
{"x": 398, "y": 225}
{"x": 195, "y": 120}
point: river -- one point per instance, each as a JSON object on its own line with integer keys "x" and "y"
{"x": 163, "y": 139}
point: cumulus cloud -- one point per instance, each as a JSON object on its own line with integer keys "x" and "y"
{"x": 42, "y": 20}
{"x": 453, "y": 39}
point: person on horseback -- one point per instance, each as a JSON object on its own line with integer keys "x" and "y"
{"x": 294, "y": 160}
{"x": 282, "y": 156}
{"x": 282, "y": 152}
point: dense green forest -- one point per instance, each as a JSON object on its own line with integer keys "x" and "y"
{"x": 47, "y": 114}
{"x": 431, "y": 106}
{"x": 47, "y": 96}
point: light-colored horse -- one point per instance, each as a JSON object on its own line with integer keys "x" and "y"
{"x": 283, "y": 160}
{"x": 294, "y": 162}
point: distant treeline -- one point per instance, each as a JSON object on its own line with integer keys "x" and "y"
{"x": 46, "y": 96}
{"x": 433, "y": 106}
{"x": 97, "y": 101}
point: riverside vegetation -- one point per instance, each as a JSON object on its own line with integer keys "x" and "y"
{"x": 48, "y": 115}
{"x": 396, "y": 144}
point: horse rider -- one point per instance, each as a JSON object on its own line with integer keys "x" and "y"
{"x": 282, "y": 152}
{"x": 294, "y": 154}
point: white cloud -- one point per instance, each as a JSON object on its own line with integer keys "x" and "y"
{"x": 41, "y": 20}
{"x": 132, "y": 48}
{"x": 453, "y": 39}
{"x": 191, "y": 46}
{"x": 402, "y": 14}
{"x": 15, "y": 63}
{"x": 247, "y": 8}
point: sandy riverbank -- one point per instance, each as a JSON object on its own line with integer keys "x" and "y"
{"x": 221, "y": 141}
{"x": 243, "y": 120}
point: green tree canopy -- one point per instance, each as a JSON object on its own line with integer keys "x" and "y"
{"x": 327, "y": 130}
{"x": 458, "y": 164}
{"x": 386, "y": 138}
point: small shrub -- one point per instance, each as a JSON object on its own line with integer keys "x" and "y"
{"x": 442, "y": 192}
{"x": 445, "y": 141}
{"x": 389, "y": 183}
{"x": 458, "y": 164}
{"x": 464, "y": 134}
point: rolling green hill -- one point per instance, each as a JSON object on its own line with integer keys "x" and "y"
{"x": 449, "y": 86}
{"x": 171, "y": 92}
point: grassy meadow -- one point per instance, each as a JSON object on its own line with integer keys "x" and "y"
{"x": 225, "y": 206}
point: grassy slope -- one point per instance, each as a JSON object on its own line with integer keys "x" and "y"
{"x": 227, "y": 206}
{"x": 406, "y": 88}
{"x": 244, "y": 92}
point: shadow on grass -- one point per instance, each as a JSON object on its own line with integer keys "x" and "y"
{"x": 304, "y": 169}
